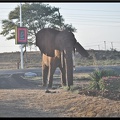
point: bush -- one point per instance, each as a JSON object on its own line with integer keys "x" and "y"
{"x": 98, "y": 82}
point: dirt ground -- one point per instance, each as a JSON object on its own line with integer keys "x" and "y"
{"x": 21, "y": 97}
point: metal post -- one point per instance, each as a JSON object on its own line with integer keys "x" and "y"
{"x": 105, "y": 44}
{"x": 21, "y": 55}
{"x": 112, "y": 45}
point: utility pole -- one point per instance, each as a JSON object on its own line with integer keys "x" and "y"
{"x": 105, "y": 44}
{"x": 60, "y": 20}
{"x": 21, "y": 55}
{"x": 112, "y": 45}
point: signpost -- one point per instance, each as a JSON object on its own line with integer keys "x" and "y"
{"x": 21, "y": 36}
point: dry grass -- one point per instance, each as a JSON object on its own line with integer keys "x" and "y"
{"x": 33, "y": 59}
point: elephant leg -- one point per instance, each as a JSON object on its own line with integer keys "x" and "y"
{"x": 63, "y": 77}
{"x": 44, "y": 74}
{"x": 50, "y": 74}
{"x": 63, "y": 72}
{"x": 69, "y": 67}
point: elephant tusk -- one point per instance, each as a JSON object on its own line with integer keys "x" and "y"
{"x": 73, "y": 56}
{"x": 62, "y": 59}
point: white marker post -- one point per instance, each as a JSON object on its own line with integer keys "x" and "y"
{"x": 21, "y": 55}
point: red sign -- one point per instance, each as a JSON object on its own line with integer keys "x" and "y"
{"x": 20, "y": 35}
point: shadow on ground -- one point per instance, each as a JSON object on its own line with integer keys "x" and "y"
{"x": 16, "y": 81}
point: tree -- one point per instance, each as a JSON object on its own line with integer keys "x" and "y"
{"x": 35, "y": 16}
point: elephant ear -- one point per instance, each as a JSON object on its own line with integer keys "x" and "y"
{"x": 45, "y": 40}
{"x": 81, "y": 50}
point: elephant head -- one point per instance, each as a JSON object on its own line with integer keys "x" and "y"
{"x": 48, "y": 40}
{"x": 45, "y": 40}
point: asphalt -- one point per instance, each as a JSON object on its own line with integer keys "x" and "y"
{"x": 80, "y": 69}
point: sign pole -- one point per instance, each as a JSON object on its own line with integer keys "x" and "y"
{"x": 21, "y": 55}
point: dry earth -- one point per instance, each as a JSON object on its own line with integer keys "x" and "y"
{"x": 25, "y": 97}
{"x": 21, "y": 97}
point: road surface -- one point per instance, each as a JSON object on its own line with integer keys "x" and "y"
{"x": 79, "y": 69}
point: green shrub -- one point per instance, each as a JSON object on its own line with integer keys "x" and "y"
{"x": 97, "y": 82}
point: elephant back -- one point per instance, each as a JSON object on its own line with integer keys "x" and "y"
{"x": 64, "y": 39}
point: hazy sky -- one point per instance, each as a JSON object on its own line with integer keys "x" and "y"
{"x": 97, "y": 24}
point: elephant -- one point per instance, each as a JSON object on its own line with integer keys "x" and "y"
{"x": 57, "y": 47}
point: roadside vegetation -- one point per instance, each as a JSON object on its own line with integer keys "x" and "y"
{"x": 104, "y": 83}
{"x": 33, "y": 59}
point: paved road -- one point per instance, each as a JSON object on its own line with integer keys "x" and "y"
{"x": 79, "y": 69}
{"x": 17, "y": 71}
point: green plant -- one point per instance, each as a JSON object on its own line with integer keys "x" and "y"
{"x": 96, "y": 78}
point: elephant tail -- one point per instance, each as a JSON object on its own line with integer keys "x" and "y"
{"x": 81, "y": 50}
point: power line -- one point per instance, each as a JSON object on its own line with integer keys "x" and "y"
{"x": 89, "y": 24}
{"x": 74, "y": 17}
{"x": 89, "y": 10}
{"x": 84, "y": 16}
{"x": 71, "y": 9}
{"x": 87, "y": 19}
{"x": 92, "y": 20}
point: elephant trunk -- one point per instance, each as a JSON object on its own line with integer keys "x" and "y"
{"x": 69, "y": 67}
